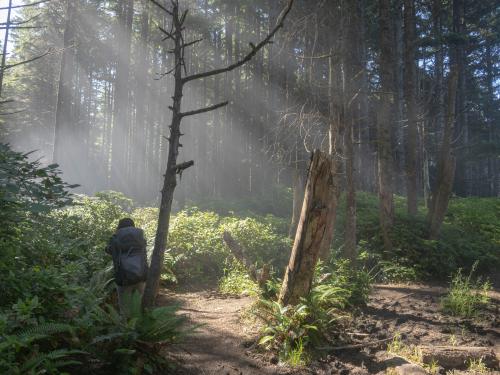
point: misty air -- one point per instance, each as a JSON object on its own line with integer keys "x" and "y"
{"x": 247, "y": 187}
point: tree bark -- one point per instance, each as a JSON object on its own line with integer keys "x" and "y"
{"x": 352, "y": 68}
{"x": 138, "y": 169}
{"x": 384, "y": 123}
{"x": 446, "y": 165}
{"x": 121, "y": 118}
{"x": 312, "y": 229}
{"x": 170, "y": 177}
{"x": 298, "y": 197}
{"x": 64, "y": 118}
{"x": 410, "y": 89}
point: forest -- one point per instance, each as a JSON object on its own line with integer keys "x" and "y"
{"x": 246, "y": 187}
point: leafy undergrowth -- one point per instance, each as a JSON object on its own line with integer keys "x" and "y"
{"x": 56, "y": 310}
{"x": 466, "y": 296}
{"x": 470, "y": 233}
{"x": 300, "y": 333}
{"x": 56, "y": 280}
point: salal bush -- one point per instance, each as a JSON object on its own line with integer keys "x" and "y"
{"x": 196, "y": 250}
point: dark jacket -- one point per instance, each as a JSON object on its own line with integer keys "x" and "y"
{"x": 125, "y": 240}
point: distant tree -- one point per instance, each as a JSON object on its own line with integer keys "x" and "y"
{"x": 385, "y": 121}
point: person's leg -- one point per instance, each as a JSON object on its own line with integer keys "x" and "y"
{"x": 140, "y": 287}
{"x": 124, "y": 295}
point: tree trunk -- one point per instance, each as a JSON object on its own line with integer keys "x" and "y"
{"x": 170, "y": 178}
{"x": 121, "y": 118}
{"x": 410, "y": 83}
{"x": 384, "y": 124}
{"x": 298, "y": 197}
{"x": 351, "y": 67}
{"x": 311, "y": 231}
{"x": 446, "y": 165}
{"x": 458, "y": 58}
{"x": 139, "y": 158}
{"x": 64, "y": 120}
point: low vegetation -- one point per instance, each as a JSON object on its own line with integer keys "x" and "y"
{"x": 57, "y": 311}
{"x": 466, "y": 295}
{"x": 58, "y": 314}
{"x": 297, "y": 333}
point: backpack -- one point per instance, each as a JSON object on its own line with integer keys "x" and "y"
{"x": 129, "y": 256}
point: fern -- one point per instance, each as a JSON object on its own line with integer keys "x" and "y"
{"x": 45, "y": 329}
{"x": 108, "y": 337}
{"x": 50, "y": 359}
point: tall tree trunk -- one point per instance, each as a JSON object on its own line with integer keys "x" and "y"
{"x": 437, "y": 17}
{"x": 384, "y": 123}
{"x": 410, "y": 83}
{"x": 491, "y": 111}
{"x": 336, "y": 128}
{"x": 313, "y": 226}
{"x": 121, "y": 118}
{"x": 5, "y": 45}
{"x": 170, "y": 177}
{"x": 64, "y": 117}
{"x": 446, "y": 164}
{"x": 351, "y": 66}
{"x": 139, "y": 158}
{"x": 458, "y": 58}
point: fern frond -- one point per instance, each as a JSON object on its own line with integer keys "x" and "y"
{"x": 45, "y": 329}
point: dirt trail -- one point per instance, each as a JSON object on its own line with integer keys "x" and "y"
{"x": 224, "y": 344}
{"x": 221, "y": 343}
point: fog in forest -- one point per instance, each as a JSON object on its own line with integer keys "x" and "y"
{"x": 100, "y": 107}
{"x": 279, "y": 186}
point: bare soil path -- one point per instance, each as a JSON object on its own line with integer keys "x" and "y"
{"x": 225, "y": 343}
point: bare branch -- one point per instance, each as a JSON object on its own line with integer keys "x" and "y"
{"x": 161, "y": 75}
{"x": 168, "y": 34}
{"x": 179, "y": 168}
{"x": 10, "y": 27}
{"x": 183, "y": 17}
{"x": 20, "y": 22}
{"x": 26, "y": 61}
{"x": 161, "y": 7}
{"x": 191, "y": 43}
{"x": 203, "y": 110}
{"x": 185, "y": 45}
{"x": 25, "y": 5}
{"x": 250, "y": 55}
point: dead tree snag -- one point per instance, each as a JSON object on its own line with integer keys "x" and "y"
{"x": 313, "y": 226}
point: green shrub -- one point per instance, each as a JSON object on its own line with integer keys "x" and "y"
{"x": 261, "y": 240}
{"x": 466, "y": 295}
{"x": 126, "y": 345}
{"x": 295, "y": 332}
{"x": 56, "y": 277}
{"x": 236, "y": 281}
{"x": 195, "y": 246}
{"x": 470, "y": 232}
{"x": 197, "y": 252}
{"x": 287, "y": 330}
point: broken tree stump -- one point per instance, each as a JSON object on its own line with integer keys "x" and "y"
{"x": 459, "y": 357}
{"x": 259, "y": 276}
{"x": 314, "y": 226}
